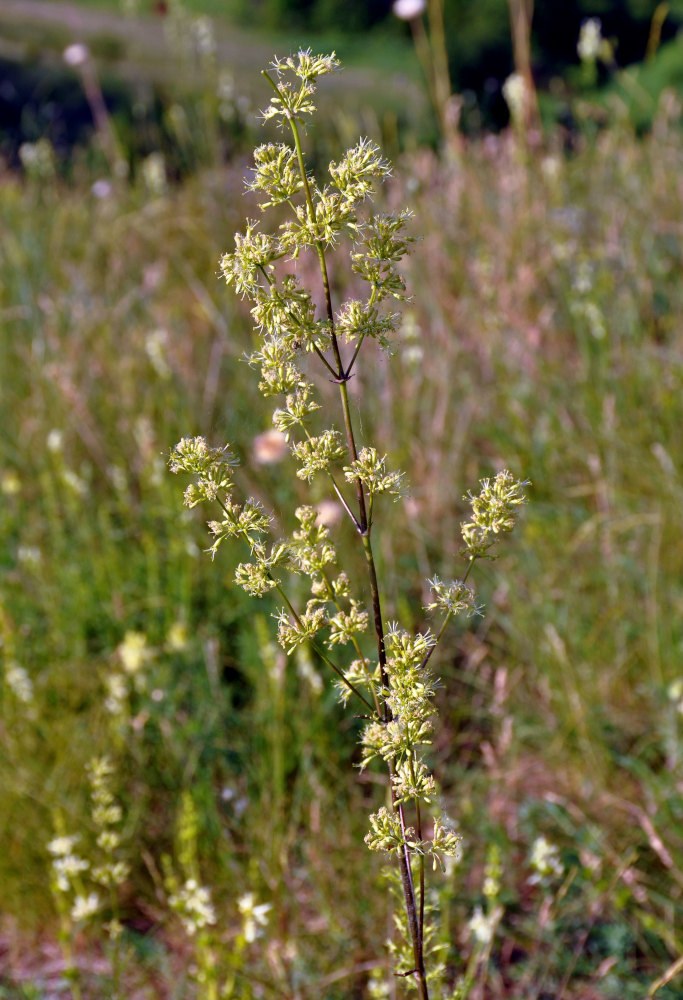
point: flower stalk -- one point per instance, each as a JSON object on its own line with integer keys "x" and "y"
{"x": 396, "y": 687}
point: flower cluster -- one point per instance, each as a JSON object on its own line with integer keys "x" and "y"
{"x": 73, "y": 872}
{"x": 545, "y": 861}
{"x": 107, "y": 816}
{"x": 396, "y": 684}
{"x": 494, "y": 512}
{"x": 192, "y": 903}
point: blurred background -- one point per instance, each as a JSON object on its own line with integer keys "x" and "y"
{"x": 539, "y": 146}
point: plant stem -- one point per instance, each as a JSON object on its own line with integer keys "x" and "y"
{"x": 321, "y": 652}
{"x": 364, "y": 529}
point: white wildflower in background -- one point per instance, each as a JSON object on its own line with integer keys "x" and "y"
{"x": 675, "y": 694}
{"x": 154, "y": 173}
{"x": 60, "y": 847}
{"x": 19, "y": 682}
{"x": 193, "y": 905}
{"x": 590, "y": 40}
{"x": 254, "y": 916}
{"x": 107, "y": 814}
{"x": 407, "y": 10}
{"x": 133, "y": 651}
{"x": 204, "y": 36}
{"x": 515, "y": 94}
{"x": 66, "y": 868}
{"x": 551, "y": 168}
{"x": 117, "y": 477}
{"x": 482, "y": 926}
{"x": 76, "y": 55}
{"x": 84, "y": 907}
{"x": 74, "y": 482}
{"x": 55, "y": 441}
{"x": 117, "y": 694}
{"x": 545, "y": 860}
{"x": 38, "y": 159}
{"x": 29, "y": 555}
{"x": 156, "y": 344}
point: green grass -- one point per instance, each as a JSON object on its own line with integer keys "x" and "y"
{"x": 545, "y": 336}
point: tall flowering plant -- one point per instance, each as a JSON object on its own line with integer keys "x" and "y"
{"x": 392, "y": 677}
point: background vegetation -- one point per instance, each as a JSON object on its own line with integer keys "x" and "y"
{"x": 550, "y": 342}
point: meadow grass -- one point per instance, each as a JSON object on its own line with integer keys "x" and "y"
{"x": 554, "y": 305}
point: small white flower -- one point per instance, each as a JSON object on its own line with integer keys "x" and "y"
{"x": 545, "y": 860}
{"x": 481, "y": 926}
{"x": 55, "y": 441}
{"x": 156, "y": 343}
{"x": 133, "y": 651}
{"x": 19, "y": 682}
{"x": 84, "y": 907}
{"x": 117, "y": 692}
{"x": 193, "y": 905}
{"x": 29, "y": 554}
{"x": 407, "y": 10}
{"x": 76, "y": 54}
{"x": 675, "y": 691}
{"x": 66, "y": 868}
{"x": 154, "y": 173}
{"x": 514, "y": 92}
{"x": 74, "y": 482}
{"x": 59, "y": 847}
{"x": 254, "y": 916}
{"x": 590, "y": 40}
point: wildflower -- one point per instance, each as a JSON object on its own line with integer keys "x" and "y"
{"x": 85, "y": 906}
{"x": 117, "y": 692}
{"x": 76, "y": 54}
{"x": 204, "y": 35}
{"x": 545, "y": 860}
{"x": 19, "y": 682}
{"x": 60, "y": 847}
{"x": 452, "y": 597}
{"x": 482, "y": 926}
{"x": 38, "y": 159}
{"x": 133, "y": 651}
{"x": 29, "y": 554}
{"x": 590, "y": 40}
{"x": 494, "y": 511}
{"x": 66, "y": 868}
{"x": 193, "y": 905}
{"x": 407, "y": 10}
{"x": 254, "y": 916}
{"x": 55, "y": 441}
{"x": 156, "y": 344}
{"x": 74, "y": 482}
{"x": 154, "y": 173}
{"x": 515, "y": 94}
